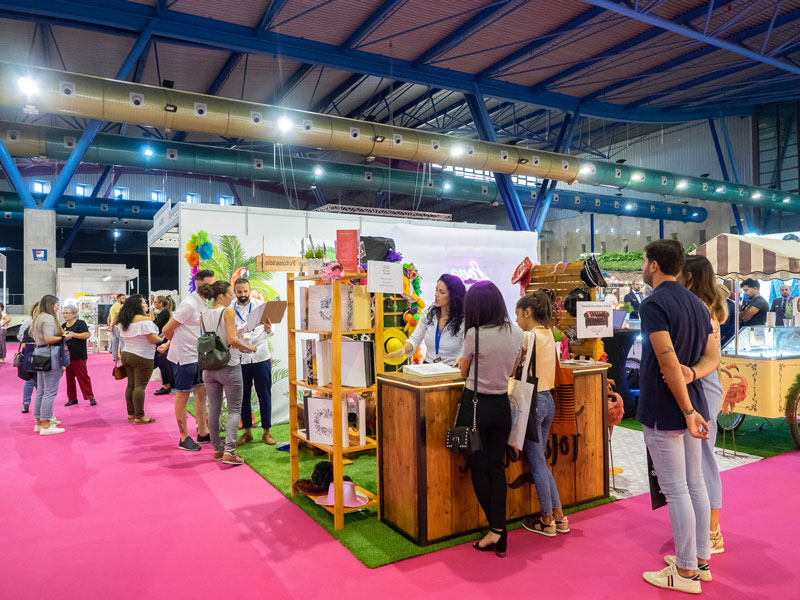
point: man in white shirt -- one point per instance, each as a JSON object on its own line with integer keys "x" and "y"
{"x": 256, "y": 367}
{"x": 183, "y": 331}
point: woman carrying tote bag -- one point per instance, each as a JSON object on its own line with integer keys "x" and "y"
{"x": 535, "y": 315}
{"x": 47, "y": 335}
{"x": 498, "y": 353}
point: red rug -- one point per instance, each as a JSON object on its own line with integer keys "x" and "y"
{"x": 113, "y": 510}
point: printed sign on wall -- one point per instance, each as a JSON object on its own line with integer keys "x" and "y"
{"x": 595, "y": 320}
{"x": 40, "y": 254}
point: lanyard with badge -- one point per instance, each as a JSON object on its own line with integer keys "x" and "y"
{"x": 249, "y": 310}
{"x": 438, "y": 337}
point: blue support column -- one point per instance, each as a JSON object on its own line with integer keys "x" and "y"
{"x": 382, "y": 200}
{"x": 319, "y": 196}
{"x": 567, "y": 142}
{"x": 591, "y": 232}
{"x": 725, "y": 176}
{"x": 748, "y": 210}
{"x": 13, "y": 174}
{"x": 94, "y": 126}
{"x": 661, "y": 229}
{"x": 505, "y": 186}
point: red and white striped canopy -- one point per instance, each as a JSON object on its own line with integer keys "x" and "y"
{"x": 746, "y": 256}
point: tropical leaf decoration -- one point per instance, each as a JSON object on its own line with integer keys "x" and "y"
{"x": 228, "y": 262}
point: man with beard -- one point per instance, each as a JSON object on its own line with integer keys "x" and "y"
{"x": 256, "y": 367}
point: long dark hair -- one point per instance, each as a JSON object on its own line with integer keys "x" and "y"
{"x": 131, "y": 308}
{"x": 484, "y": 306}
{"x": 457, "y": 292}
{"x": 699, "y": 278}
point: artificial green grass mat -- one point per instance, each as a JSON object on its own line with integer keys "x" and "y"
{"x": 372, "y": 542}
{"x": 756, "y": 435}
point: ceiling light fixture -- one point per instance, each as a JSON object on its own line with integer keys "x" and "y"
{"x": 447, "y": 186}
{"x": 171, "y": 108}
{"x": 523, "y": 161}
{"x": 682, "y": 184}
{"x": 148, "y": 152}
{"x": 284, "y": 124}
{"x": 380, "y": 138}
{"x": 318, "y": 171}
{"x": 457, "y": 150}
{"x": 756, "y": 196}
{"x": 28, "y": 86}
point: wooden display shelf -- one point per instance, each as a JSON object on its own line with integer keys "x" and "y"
{"x": 370, "y": 445}
{"x": 335, "y": 390}
{"x": 373, "y": 501}
{"x": 328, "y": 389}
{"x": 353, "y": 332}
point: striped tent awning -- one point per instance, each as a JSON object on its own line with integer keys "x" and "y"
{"x": 746, "y": 256}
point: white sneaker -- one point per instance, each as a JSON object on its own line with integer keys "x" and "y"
{"x": 669, "y": 579}
{"x": 52, "y": 430}
{"x": 703, "y": 570}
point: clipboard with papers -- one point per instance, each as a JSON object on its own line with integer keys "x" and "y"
{"x": 273, "y": 311}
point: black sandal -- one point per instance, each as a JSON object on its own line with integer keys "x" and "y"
{"x": 499, "y": 546}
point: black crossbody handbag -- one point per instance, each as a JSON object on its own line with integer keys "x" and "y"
{"x": 465, "y": 439}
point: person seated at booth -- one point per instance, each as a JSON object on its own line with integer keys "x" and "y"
{"x": 754, "y": 310}
{"x": 441, "y": 326}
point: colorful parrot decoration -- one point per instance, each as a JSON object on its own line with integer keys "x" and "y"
{"x": 244, "y": 273}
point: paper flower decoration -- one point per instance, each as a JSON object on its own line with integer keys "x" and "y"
{"x": 198, "y": 248}
{"x": 394, "y": 256}
{"x": 331, "y": 271}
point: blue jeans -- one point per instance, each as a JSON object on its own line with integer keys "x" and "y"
{"x": 260, "y": 374}
{"x": 27, "y": 390}
{"x": 713, "y": 393}
{"x": 542, "y": 476}
{"x": 677, "y": 458}
{"x": 47, "y": 383}
{"x": 117, "y": 343}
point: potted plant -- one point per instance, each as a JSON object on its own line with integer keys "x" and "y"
{"x": 315, "y": 257}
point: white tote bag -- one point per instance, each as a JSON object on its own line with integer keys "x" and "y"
{"x": 520, "y": 395}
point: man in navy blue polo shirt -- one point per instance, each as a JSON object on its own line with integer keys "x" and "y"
{"x": 678, "y": 349}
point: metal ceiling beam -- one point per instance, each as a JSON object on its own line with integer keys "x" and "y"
{"x": 505, "y": 186}
{"x": 693, "y": 35}
{"x": 484, "y": 18}
{"x": 642, "y": 38}
{"x": 540, "y": 41}
{"x": 340, "y": 89}
{"x": 291, "y": 83}
{"x": 377, "y": 99}
{"x": 272, "y": 10}
{"x": 740, "y": 37}
{"x": 372, "y": 22}
{"x": 124, "y": 18}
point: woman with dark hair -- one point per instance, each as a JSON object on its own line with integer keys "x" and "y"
{"x": 699, "y": 278}
{"x": 162, "y": 313}
{"x": 499, "y": 347}
{"x": 47, "y": 335}
{"x": 441, "y": 325}
{"x": 141, "y": 338}
{"x": 221, "y": 319}
{"x": 25, "y": 337}
{"x": 535, "y": 316}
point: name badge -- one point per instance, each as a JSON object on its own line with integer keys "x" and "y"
{"x": 438, "y": 359}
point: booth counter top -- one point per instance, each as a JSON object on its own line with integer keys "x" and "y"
{"x": 426, "y": 491}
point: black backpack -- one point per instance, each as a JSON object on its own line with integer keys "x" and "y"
{"x": 211, "y": 352}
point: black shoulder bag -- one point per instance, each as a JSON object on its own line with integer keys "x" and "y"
{"x": 465, "y": 439}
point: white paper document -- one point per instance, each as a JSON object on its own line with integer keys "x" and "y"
{"x": 430, "y": 369}
{"x": 384, "y": 277}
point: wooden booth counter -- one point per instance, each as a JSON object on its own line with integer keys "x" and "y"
{"x": 426, "y": 491}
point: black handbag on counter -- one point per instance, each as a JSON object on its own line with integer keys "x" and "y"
{"x": 465, "y": 439}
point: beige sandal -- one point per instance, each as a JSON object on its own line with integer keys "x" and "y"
{"x": 131, "y": 418}
{"x": 144, "y": 421}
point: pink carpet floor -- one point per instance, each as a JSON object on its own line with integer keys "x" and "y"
{"x": 112, "y": 510}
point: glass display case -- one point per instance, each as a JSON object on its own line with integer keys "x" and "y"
{"x": 772, "y": 343}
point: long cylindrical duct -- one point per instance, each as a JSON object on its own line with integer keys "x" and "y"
{"x": 29, "y": 141}
{"x": 79, "y": 206}
{"x": 37, "y": 90}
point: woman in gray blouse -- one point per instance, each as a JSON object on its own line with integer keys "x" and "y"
{"x": 441, "y": 326}
{"x": 47, "y": 335}
{"x": 499, "y": 346}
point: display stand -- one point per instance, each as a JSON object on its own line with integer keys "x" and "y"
{"x": 561, "y": 279}
{"x": 335, "y": 391}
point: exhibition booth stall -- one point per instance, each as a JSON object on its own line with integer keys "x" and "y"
{"x": 397, "y": 421}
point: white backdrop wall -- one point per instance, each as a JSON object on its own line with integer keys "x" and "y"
{"x": 434, "y": 247}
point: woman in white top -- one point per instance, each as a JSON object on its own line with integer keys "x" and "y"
{"x": 534, "y": 315}
{"x": 141, "y": 338}
{"x": 221, "y": 319}
{"x": 499, "y": 345}
{"x": 441, "y": 326}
